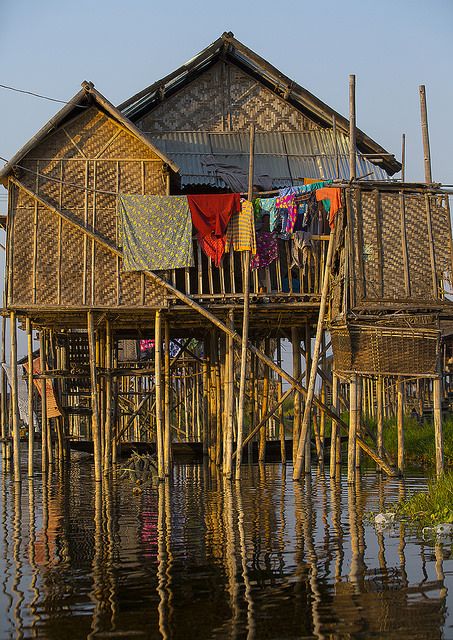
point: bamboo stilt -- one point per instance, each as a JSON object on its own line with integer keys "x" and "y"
{"x": 353, "y": 419}
{"x": 334, "y": 430}
{"x": 14, "y": 397}
{"x": 245, "y": 318}
{"x": 229, "y": 401}
{"x": 95, "y": 426}
{"x": 108, "y": 399}
{"x": 400, "y": 425}
{"x": 295, "y": 342}
{"x": 360, "y": 380}
{"x": 308, "y": 364}
{"x": 3, "y": 394}
{"x": 264, "y": 406}
{"x": 167, "y": 401}
{"x": 31, "y": 426}
{"x": 379, "y": 416}
{"x": 438, "y": 435}
{"x": 44, "y": 423}
{"x": 281, "y": 424}
{"x": 158, "y": 391}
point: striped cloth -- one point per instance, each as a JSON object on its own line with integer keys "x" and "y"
{"x": 241, "y": 230}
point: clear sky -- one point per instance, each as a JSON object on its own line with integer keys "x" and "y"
{"x": 393, "y": 46}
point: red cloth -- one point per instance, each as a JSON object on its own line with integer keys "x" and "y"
{"x": 211, "y": 213}
{"x": 213, "y": 247}
{"x": 333, "y": 194}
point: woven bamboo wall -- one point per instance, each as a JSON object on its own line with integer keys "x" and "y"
{"x": 224, "y": 98}
{"x": 401, "y": 246}
{"x": 53, "y": 263}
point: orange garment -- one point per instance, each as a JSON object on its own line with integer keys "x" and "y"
{"x": 311, "y": 180}
{"x": 333, "y": 194}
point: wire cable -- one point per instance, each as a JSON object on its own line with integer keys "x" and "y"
{"x": 38, "y": 95}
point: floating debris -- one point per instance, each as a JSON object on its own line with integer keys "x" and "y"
{"x": 139, "y": 469}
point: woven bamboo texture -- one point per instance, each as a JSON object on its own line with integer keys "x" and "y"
{"x": 224, "y": 98}
{"x": 90, "y": 160}
{"x": 375, "y": 350}
{"x": 393, "y": 256}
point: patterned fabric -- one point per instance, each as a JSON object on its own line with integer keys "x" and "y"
{"x": 307, "y": 211}
{"x": 333, "y": 195}
{"x": 146, "y": 345}
{"x": 289, "y": 203}
{"x": 266, "y": 250}
{"x": 156, "y": 232}
{"x": 22, "y": 393}
{"x": 213, "y": 247}
{"x": 241, "y": 230}
{"x": 268, "y": 206}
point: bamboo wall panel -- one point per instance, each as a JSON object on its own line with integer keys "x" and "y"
{"x": 86, "y": 173}
{"x": 224, "y": 98}
{"x": 393, "y": 256}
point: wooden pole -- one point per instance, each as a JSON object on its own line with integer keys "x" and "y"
{"x": 438, "y": 435}
{"x": 425, "y": 135}
{"x": 352, "y": 129}
{"x": 334, "y": 429}
{"x": 281, "y": 424}
{"x": 400, "y": 425}
{"x": 359, "y": 422}
{"x": 206, "y": 415}
{"x": 3, "y": 393}
{"x": 380, "y": 416}
{"x": 108, "y": 431}
{"x": 14, "y": 398}
{"x": 314, "y": 363}
{"x": 403, "y": 158}
{"x": 307, "y": 452}
{"x": 95, "y": 426}
{"x": 31, "y": 426}
{"x": 264, "y": 406}
{"x": 44, "y": 423}
{"x": 167, "y": 400}
{"x": 229, "y": 400}
{"x": 158, "y": 390}
{"x": 245, "y": 317}
{"x": 295, "y": 343}
{"x": 353, "y": 410}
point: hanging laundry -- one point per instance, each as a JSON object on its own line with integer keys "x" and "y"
{"x": 301, "y": 248}
{"x": 241, "y": 230}
{"x": 212, "y": 246}
{"x": 268, "y": 206}
{"x": 307, "y": 211}
{"x": 266, "y": 250}
{"x": 156, "y": 232}
{"x": 313, "y": 181}
{"x": 211, "y": 213}
{"x": 22, "y": 393}
{"x": 288, "y": 202}
{"x": 333, "y": 195}
{"x": 146, "y": 345}
{"x": 306, "y": 188}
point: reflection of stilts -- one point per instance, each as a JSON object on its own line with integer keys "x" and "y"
{"x": 17, "y": 536}
{"x": 230, "y": 556}
{"x": 6, "y": 550}
{"x": 31, "y": 553}
{"x": 335, "y": 500}
{"x": 97, "y": 591}
{"x": 245, "y": 574}
{"x": 163, "y": 549}
{"x": 108, "y": 548}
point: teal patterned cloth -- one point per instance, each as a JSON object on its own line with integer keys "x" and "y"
{"x": 155, "y": 232}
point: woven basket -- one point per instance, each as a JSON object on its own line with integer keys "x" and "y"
{"x": 374, "y": 350}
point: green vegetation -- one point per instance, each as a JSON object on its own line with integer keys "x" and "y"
{"x": 418, "y": 440}
{"x": 435, "y": 506}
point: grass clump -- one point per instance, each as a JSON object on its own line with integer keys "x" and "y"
{"x": 435, "y": 506}
{"x": 419, "y": 442}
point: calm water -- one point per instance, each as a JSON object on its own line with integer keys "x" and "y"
{"x": 201, "y": 559}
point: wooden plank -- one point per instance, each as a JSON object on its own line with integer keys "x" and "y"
{"x": 431, "y": 246}
{"x": 380, "y": 257}
{"x": 407, "y": 279}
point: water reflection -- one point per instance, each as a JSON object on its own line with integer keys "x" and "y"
{"x": 200, "y": 557}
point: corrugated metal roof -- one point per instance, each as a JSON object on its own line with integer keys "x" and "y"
{"x": 285, "y": 157}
